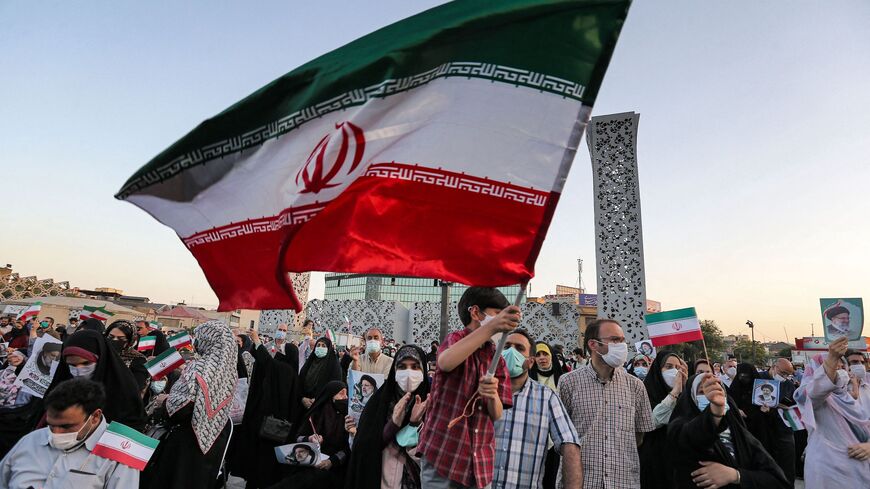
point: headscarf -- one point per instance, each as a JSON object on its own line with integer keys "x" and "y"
{"x": 365, "y": 466}
{"x": 129, "y": 352}
{"x": 8, "y": 389}
{"x": 290, "y": 356}
{"x": 208, "y": 382}
{"x": 123, "y": 402}
{"x": 555, "y": 367}
{"x": 853, "y": 425}
{"x": 326, "y": 420}
{"x": 92, "y": 324}
{"x": 318, "y": 371}
{"x": 656, "y": 387}
{"x": 741, "y": 386}
{"x": 245, "y": 362}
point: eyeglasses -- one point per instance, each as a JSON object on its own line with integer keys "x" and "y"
{"x": 611, "y": 339}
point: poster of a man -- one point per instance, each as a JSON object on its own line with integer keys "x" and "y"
{"x": 645, "y": 348}
{"x": 842, "y": 317}
{"x": 363, "y": 387}
{"x": 765, "y": 393}
{"x": 300, "y": 454}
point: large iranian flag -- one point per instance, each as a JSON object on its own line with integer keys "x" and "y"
{"x": 436, "y": 147}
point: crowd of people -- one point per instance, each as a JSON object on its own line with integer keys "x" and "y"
{"x": 593, "y": 417}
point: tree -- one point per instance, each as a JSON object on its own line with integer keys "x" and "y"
{"x": 695, "y": 350}
{"x": 785, "y": 353}
{"x": 743, "y": 350}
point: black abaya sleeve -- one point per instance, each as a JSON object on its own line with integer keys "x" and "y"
{"x": 140, "y": 373}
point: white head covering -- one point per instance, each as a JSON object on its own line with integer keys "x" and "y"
{"x": 209, "y": 382}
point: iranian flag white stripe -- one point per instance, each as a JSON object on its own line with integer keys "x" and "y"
{"x": 443, "y": 116}
{"x": 671, "y": 327}
{"x": 31, "y": 311}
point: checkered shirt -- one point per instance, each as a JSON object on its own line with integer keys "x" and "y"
{"x": 607, "y": 414}
{"x": 465, "y": 453}
{"x": 522, "y": 433}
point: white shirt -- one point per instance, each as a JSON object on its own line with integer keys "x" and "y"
{"x": 32, "y": 462}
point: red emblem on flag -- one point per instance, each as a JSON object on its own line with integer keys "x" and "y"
{"x": 677, "y": 326}
{"x": 125, "y": 444}
{"x": 313, "y": 178}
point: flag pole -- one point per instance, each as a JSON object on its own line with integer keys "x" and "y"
{"x": 501, "y": 341}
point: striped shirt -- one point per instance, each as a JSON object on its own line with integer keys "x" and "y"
{"x": 607, "y": 413}
{"x": 522, "y": 433}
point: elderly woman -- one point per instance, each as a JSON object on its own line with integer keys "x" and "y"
{"x": 198, "y": 406}
{"x": 122, "y": 337}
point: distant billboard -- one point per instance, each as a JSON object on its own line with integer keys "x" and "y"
{"x": 591, "y": 300}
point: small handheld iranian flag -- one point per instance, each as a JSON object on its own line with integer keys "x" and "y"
{"x": 331, "y": 335}
{"x": 792, "y": 418}
{"x": 164, "y": 363}
{"x": 147, "y": 343}
{"x": 671, "y": 327}
{"x": 125, "y": 445}
{"x": 96, "y": 312}
{"x": 445, "y": 116}
{"x": 180, "y": 340}
{"x": 31, "y": 311}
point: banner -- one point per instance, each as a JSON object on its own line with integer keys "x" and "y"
{"x": 361, "y": 387}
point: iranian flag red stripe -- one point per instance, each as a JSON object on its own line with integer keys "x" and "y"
{"x": 165, "y": 363}
{"x": 446, "y": 161}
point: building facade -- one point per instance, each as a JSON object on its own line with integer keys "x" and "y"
{"x": 406, "y": 290}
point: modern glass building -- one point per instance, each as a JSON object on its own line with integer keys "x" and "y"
{"x": 407, "y": 290}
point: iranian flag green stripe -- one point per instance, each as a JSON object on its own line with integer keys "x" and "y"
{"x": 146, "y": 343}
{"x": 466, "y": 117}
{"x": 31, "y": 311}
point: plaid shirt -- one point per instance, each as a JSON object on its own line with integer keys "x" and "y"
{"x": 465, "y": 453}
{"x": 607, "y": 414}
{"x": 522, "y": 433}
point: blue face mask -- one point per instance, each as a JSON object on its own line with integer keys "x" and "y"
{"x": 703, "y": 402}
{"x": 640, "y": 372}
{"x": 408, "y": 436}
{"x": 514, "y": 361}
{"x": 280, "y": 335}
{"x": 320, "y": 351}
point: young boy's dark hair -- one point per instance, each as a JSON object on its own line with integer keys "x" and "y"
{"x": 482, "y": 297}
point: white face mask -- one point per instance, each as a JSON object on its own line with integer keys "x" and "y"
{"x": 779, "y": 378}
{"x": 408, "y": 379}
{"x": 65, "y": 441}
{"x": 858, "y": 371}
{"x": 616, "y": 354}
{"x": 373, "y": 346}
{"x": 157, "y": 386}
{"x": 487, "y": 319}
{"x": 670, "y": 377}
{"x": 731, "y": 372}
{"x": 86, "y": 371}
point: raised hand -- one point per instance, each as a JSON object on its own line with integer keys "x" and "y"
{"x": 487, "y": 387}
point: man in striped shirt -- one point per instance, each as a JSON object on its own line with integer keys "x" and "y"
{"x": 538, "y": 415}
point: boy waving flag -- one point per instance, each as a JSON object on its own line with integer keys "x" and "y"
{"x": 466, "y": 117}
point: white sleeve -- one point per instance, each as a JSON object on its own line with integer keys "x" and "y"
{"x": 662, "y": 412}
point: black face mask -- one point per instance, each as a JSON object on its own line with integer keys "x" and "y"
{"x": 117, "y": 345}
{"x": 340, "y": 406}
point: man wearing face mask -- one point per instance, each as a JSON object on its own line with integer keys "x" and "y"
{"x": 538, "y": 415}
{"x": 280, "y": 340}
{"x": 60, "y": 455}
{"x": 777, "y": 438}
{"x": 373, "y": 362}
{"x": 858, "y": 387}
{"x": 605, "y": 403}
{"x": 729, "y": 371}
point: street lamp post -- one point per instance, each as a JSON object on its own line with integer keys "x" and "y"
{"x": 752, "y": 329}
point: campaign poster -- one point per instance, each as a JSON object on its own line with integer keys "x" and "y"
{"x": 362, "y": 387}
{"x": 765, "y": 392}
{"x": 301, "y": 454}
{"x": 646, "y": 347}
{"x": 37, "y": 373}
{"x": 842, "y": 317}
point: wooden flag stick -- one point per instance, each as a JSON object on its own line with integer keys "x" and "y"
{"x": 501, "y": 341}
